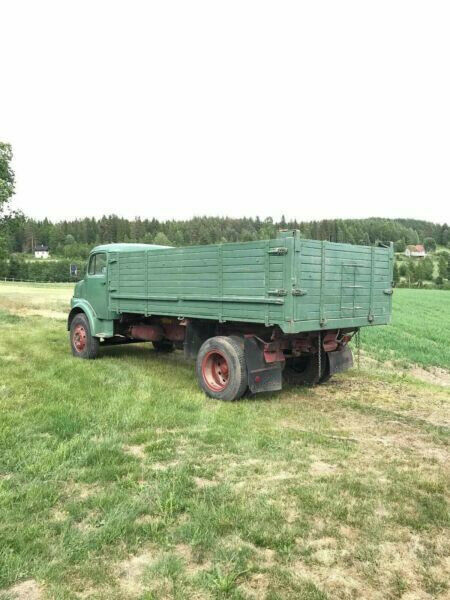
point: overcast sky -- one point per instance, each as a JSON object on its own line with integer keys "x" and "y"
{"x": 316, "y": 109}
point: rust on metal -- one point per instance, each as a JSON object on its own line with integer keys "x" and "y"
{"x": 79, "y": 338}
{"x": 215, "y": 370}
{"x": 147, "y": 333}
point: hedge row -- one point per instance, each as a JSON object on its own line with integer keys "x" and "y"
{"x": 52, "y": 271}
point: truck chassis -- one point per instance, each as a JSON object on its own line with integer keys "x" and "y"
{"x": 231, "y": 358}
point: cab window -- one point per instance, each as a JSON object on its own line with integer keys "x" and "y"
{"x": 97, "y": 264}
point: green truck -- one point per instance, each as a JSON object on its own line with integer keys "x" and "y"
{"x": 251, "y": 314}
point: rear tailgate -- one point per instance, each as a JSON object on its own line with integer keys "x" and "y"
{"x": 342, "y": 285}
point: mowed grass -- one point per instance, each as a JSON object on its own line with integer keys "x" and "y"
{"x": 45, "y": 299}
{"x": 120, "y": 479}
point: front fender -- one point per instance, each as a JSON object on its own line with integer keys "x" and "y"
{"x": 83, "y": 306}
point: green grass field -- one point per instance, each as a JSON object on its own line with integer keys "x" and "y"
{"x": 420, "y": 331}
{"x": 119, "y": 479}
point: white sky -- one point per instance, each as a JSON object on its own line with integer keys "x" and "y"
{"x": 170, "y": 109}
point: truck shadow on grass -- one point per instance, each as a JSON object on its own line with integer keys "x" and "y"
{"x": 185, "y": 369}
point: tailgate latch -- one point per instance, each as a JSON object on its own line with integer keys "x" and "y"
{"x": 298, "y": 292}
{"x": 278, "y": 251}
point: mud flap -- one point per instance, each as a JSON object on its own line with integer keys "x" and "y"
{"x": 196, "y": 334}
{"x": 262, "y": 376}
{"x": 340, "y": 360}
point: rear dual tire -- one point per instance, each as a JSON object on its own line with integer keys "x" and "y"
{"x": 304, "y": 370}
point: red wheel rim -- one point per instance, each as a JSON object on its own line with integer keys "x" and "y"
{"x": 79, "y": 338}
{"x": 215, "y": 371}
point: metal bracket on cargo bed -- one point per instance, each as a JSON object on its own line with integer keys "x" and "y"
{"x": 280, "y": 292}
{"x": 298, "y": 292}
{"x": 278, "y": 251}
{"x": 388, "y": 292}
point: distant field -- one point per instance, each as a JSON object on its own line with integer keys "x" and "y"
{"x": 120, "y": 480}
{"x": 44, "y": 299}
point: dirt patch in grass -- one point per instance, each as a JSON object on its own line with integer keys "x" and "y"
{"x": 160, "y": 466}
{"x": 137, "y": 451}
{"x": 264, "y": 557}
{"x": 200, "y": 482}
{"x": 59, "y": 516}
{"x": 256, "y": 586}
{"x": 147, "y": 520}
{"x": 130, "y": 572}
{"x": 26, "y": 590}
{"x": 89, "y": 523}
{"x": 433, "y": 375}
{"x": 184, "y": 551}
{"x": 319, "y": 468}
{"x": 340, "y": 568}
{"x": 337, "y": 582}
{"x": 81, "y": 491}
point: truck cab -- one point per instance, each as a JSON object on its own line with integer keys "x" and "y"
{"x": 91, "y": 294}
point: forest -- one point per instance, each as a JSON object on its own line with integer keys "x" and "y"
{"x": 76, "y": 238}
{"x": 70, "y": 242}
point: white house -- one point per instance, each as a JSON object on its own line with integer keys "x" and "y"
{"x": 41, "y": 251}
{"x": 415, "y": 251}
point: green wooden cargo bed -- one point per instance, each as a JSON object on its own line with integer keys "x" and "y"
{"x": 298, "y": 284}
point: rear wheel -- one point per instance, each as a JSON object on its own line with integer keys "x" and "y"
{"x": 82, "y": 342}
{"x": 304, "y": 370}
{"x": 221, "y": 369}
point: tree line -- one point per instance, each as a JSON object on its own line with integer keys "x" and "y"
{"x": 76, "y": 238}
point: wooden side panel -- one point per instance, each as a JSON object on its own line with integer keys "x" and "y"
{"x": 244, "y": 276}
{"x": 223, "y": 282}
{"x": 183, "y": 281}
{"x": 127, "y": 288}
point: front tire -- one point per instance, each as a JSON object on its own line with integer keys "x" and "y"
{"x": 82, "y": 342}
{"x": 221, "y": 368}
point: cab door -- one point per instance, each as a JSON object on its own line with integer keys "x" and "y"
{"x": 96, "y": 280}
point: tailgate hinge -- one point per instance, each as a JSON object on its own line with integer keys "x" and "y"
{"x": 388, "y": 292}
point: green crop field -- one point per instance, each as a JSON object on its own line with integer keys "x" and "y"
{"x": 119, "y": 479}
{"x": 420, "y": 331}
